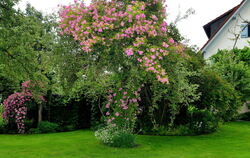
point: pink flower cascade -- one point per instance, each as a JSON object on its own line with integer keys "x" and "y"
{"x": 122, "y": 107}
{"x": 15, "y": 106}
{"x": 104, "y": 22}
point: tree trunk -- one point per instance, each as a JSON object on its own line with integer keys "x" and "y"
{"x": 49, "y": 96}
{"x": 40, "y": 112}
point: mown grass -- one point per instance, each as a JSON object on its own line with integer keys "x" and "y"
{"x": 231, "y": 141}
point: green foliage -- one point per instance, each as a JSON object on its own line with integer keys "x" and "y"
{"x": 124, "y": 140}
{"x": 173, "y": 32}
{"x": 197, "y": 122}
{"x": 168, "y": 100}
{"x": 26, "y": 44}
{"x": 181, "y": 130}
{"x": 3, "y": 127}
{"x": 243, "y": 54}
{"x": 68, "y": 128}
{"x": 29, "y": 124}
{"x": 202, "y": 122}
{"x": 7, "y": 85}
{"x": 217, "y": 95}
{"x": 233, "y": 69}
{"x": 47, "y": 127}
{"x": 34, "y": 131}
{"x": 2, "y": 123}
{"x": 192, "y": 89}
{"x": 195, "y": 61}
{"x": 244, "y": 116}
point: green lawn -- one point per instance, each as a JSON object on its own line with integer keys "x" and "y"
{"x": 231, "y": 141}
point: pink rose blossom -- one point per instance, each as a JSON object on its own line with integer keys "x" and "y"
{"x": 117, "y": 114}
{"x": 154, "y": 17}
{"x": 107, "y": 106}
{"x": 122, "y": 23}
{"x": 129, "y": 52}
{"x": 125, "y": 107}
{"x": 171, "y": 41}
{"x": 140, "y": 52}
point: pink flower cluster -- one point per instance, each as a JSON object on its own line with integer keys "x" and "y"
{"x": 104, "y": 22}
{"x": 122, "y": 106}
{"x": 15, "y": 106}
{"x": 151, "y": 61}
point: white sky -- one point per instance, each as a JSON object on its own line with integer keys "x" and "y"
{"x": 206, "y": 10}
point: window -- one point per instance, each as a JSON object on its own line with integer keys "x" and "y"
{"x": 245, "y": 30}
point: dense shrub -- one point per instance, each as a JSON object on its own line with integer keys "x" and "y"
{"x": 69, "y": 128}
{"x": 234, "y": 68}
{"x": 181, "y": 130}
{"x": 124, "y": 140}
{"x": 29, "y": 124}
{"x": 212, "y": 98}
{"x": 197, "y": 122}
{"x": 217, "y": 95}
{"x": 116, "y": 137}
{"x": 202, "y": 122}
{"x": 34, "y": 131}
{"x": 3, "y": 128}
{"x": 244, "y": 117}
{"x": 162, "y": 104}
{"x": 47, "y": 127}
{"x": 66, "y": 128}
{"x": 243, "y": 54}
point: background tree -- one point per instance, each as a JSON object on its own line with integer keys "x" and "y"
{"x": 232, "y": 67}
{"x": 26, "y": 44}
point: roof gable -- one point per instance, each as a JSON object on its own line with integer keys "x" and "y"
{"x": 225, "y": 18}
{"x": 211, "y": 27}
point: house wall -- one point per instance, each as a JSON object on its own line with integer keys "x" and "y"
{"x": 225, "y": 38}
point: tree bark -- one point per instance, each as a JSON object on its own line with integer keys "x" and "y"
{"x": 40, "y": 112}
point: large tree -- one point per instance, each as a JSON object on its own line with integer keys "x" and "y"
{"x": 126, "y": 44}
{"x": 26, "y": 40}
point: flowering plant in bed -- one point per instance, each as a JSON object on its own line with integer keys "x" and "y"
{"x": 121, "y": 111}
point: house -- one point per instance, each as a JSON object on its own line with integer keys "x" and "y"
{"x": 229, "y": 30}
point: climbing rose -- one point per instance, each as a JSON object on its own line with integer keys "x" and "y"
{"x": 106, "y": 22}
